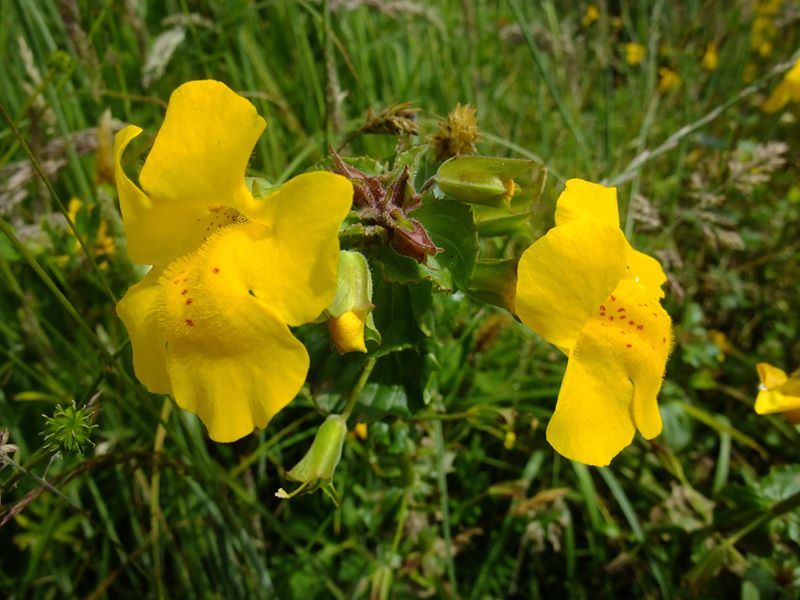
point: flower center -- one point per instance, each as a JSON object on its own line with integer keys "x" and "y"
{"x": 219, "y": 217}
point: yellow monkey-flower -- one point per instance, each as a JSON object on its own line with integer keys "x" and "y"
{"x": 210, "y": 321}
{"x": 778, "y": 392}
{"x": 584, "y": 288}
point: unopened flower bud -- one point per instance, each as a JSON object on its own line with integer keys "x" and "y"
{"x": 350, "y": 313}
{"x": 347, "y": 332}
{"x": 317, "y": 466}
{"x": 481, "y": 179}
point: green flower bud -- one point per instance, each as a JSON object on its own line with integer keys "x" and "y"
{"x": 481, "y": 179}
{"x": 494, "y": 281}
{"x": 317, "y": 466}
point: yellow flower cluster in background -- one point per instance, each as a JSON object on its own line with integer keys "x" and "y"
{"x": 209, "y": 323}
{"x": 763, "y": 30}
{"x": 101, "y": 244}
{"x": 583, "y": 288}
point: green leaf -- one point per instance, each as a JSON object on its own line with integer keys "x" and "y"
{"x": 399, "y": 309}
{"x": 378, "y": 400}
{"x": 410, "y": 158}
{"x": 449, "y": 224}
{"x": 396, "y": 387}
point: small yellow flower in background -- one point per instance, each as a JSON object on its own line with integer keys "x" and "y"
{"x": 634, "y": 53}
{"x": 778, "y": 393}
{"x": 103, "y": 243}
{"x": 591, "y": 15}
{"x": 361, "y": 430}
{"x": 210, "y": 321}
{"x": 584, "y": 288}
{"x": 711, "y": 57}
{"x": 723, "y": 344}
{"x": 788, "y": 90}
{"x": 669, "y": 79}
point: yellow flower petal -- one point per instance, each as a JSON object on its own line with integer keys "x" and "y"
{"x": 156, "y": 232}
{"x": 566, "y": 275}
{"x": 777, "y": 392}
{"x": 592, "y": 421}
{"x": 139, "y": 311}
{"x": 302, "y": 249}
{"x": 584, "y": 199}
{"x": 647, "y": 271}
{"x": 347, "y": 332}
{"x": 771, "y": 377}
{"x": 234, "y": 389}
{"x": 201, "y": 151}
{"x": 231, "y": 359}
{"x": 775, "y": 401}
{"x": 613, "y": 378}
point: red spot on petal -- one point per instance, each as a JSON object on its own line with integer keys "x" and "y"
{"x": 189, "y": 301}
{"x": 189, "y": 322}
{"x": 621, "y": 309}
{"x": 215, "y": 270}
{"x": 610, "y": 318}
{"x": 613, "y": 298}
{"x": 602, "y": 307}
{"x": 631, "y": 322}
{"x": 184, "y": 292}
{"x": 640, "y": 327}
{"x": 663, "y": 340}
{"x": 629, "y": 345}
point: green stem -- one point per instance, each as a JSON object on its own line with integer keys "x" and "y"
{"x": 155, "y": 490}
{"x": 776, "y": 510}
{"x": 37, "y": 458}
{"x": 438, "y": 437}
{"x": 355, "y": 393}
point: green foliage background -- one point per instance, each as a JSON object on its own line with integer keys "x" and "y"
{"x": 439, "y": 499}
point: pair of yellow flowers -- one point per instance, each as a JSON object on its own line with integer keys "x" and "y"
{"x": 209, "y": 323}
